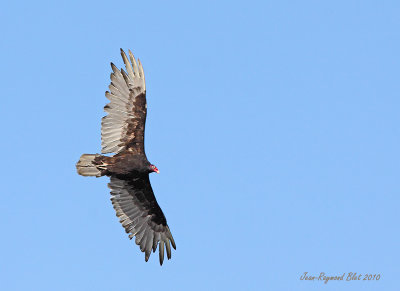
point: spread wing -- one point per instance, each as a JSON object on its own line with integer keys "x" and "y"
{"x": 140, "y": 215}
{"x": 123, "y": 127}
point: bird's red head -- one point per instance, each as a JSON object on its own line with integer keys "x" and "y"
{"x": 154, "y": 169}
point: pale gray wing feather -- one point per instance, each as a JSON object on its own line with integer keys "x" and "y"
{"x": 117, "y": 128}
{"x": 141, "y": 215}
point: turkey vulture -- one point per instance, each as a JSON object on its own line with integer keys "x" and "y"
{"x": 122, "y": 133}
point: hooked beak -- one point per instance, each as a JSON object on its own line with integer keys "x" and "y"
{"x": 154, "y": 169}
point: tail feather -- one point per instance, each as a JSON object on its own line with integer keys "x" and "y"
{"x": 86, "y": 167}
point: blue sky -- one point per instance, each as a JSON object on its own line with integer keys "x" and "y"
{"x": 275, "y": 125}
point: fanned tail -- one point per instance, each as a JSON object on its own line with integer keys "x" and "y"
{"x": 87, "y": 167}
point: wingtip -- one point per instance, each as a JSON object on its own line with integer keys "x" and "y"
{"x": 161, "y": 252}
{"x": 168, "y": 248}
{"x": 132, "y": 57}
{"x": 171, "y": 238}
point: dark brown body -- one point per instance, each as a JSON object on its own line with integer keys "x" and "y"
{"x": 125, "y": 164}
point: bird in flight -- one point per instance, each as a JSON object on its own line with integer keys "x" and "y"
{"x": 122, "y": 133}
